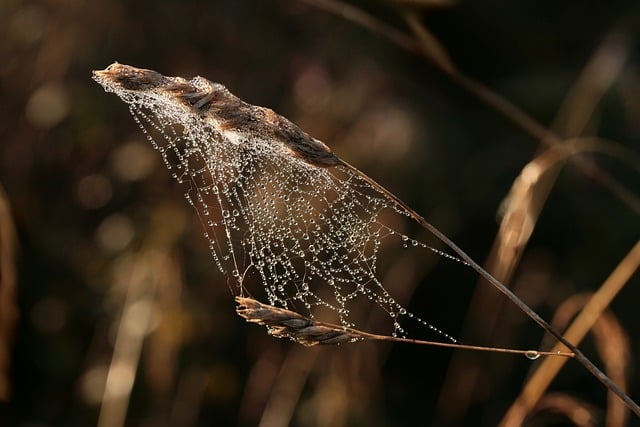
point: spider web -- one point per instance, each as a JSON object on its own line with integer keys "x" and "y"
{"x": 309, "y": 236}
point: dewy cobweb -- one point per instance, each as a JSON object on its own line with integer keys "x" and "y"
{"x": 282, "y": 211}
{"x": 278, "y": 207}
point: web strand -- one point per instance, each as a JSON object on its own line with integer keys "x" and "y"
{"x": 310, "y": 237}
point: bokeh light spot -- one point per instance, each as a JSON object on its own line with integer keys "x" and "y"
{"x": 133, "y": 161}
{"x": 115, "y": 233}
{"x": 48, "y": 105}
{"x": 94, "y": 191}
{"x": 92, "y": 384}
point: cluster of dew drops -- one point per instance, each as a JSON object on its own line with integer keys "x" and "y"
{"x": 330, "y": 231}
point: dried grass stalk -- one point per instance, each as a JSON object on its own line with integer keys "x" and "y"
{"x": 9, "y": 312}
{"x": 580, "y": 414}
{"x": 592, "y": 311}
{"x": 283, "y": 323}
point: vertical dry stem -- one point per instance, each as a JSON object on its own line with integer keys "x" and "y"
{"x": 8, "y": 289}
{"x": 548, "y": 369}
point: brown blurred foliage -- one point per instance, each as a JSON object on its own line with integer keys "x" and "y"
{"x": 124, "y": 320}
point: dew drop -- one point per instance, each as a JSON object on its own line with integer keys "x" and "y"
{"x": 532, "y": 354}
{"x": 297, "y": 225}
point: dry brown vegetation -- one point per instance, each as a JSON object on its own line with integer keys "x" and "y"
{"x": 123, "y": 318}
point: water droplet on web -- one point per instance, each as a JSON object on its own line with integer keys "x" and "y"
{"x": 314, "y": 234}
{"x": 532, "y": 354}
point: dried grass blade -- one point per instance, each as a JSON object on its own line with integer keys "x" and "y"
{"x": 600, "y": 73}
{"x": 579, "y": 413}
{"x": 548, "y": 369}
{"x": 500, "y": 104}
{"x": 431, "y": 47}
{"x": 611, "y": 343}
{"x": 283, "y": 323}
{"x": 521, "y": 210}
{"x": 354, "y": 14}
{"x": 288, "y": 387}
{"x": 528, "y": 194}
{"x": 9, "y": 311}
{"x": 140, "y": 281}
{"x": 614, "y": 348}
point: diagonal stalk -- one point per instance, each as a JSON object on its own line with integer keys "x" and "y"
{"x": 481, "y": 92}
{"x": 579, "y": 356}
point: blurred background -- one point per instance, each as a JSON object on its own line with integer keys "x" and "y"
{"x": 111, "y": 309}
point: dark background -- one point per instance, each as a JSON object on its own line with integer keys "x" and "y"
{"x": 92, "y": 203}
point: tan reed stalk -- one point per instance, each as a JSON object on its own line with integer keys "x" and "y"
{"x": 541, "y": 379}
